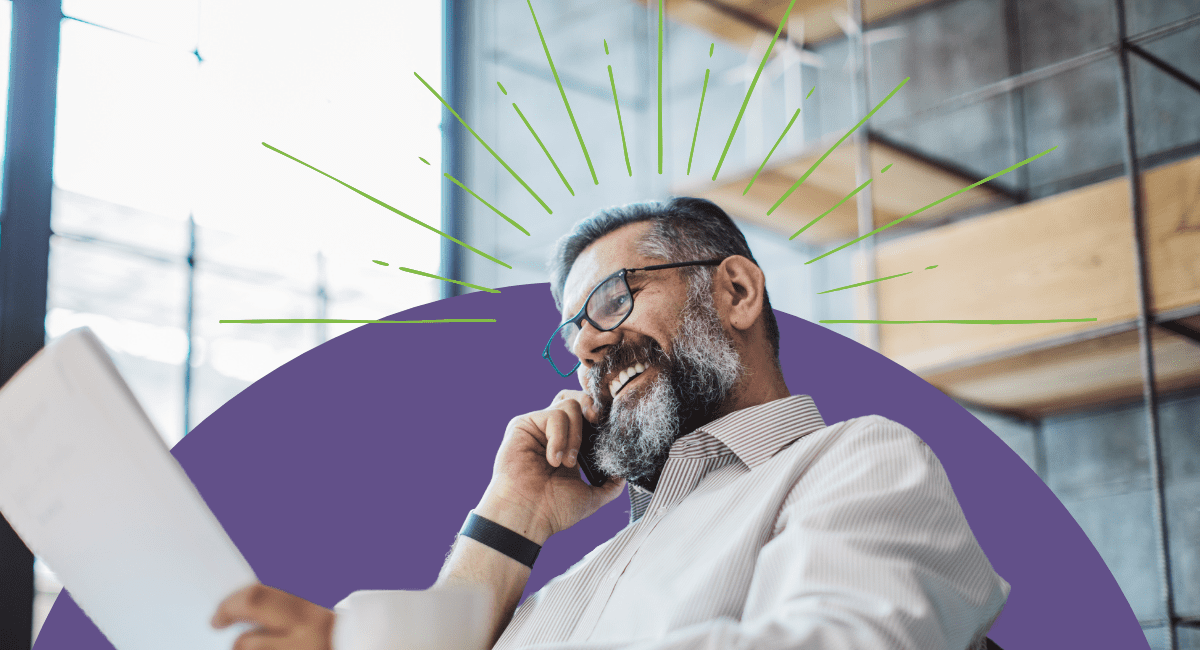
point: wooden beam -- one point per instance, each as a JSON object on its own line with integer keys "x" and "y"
{"x": 1074, "y": 376}
{"x": 739, "y": 22}
{"x": 1067, "y": 256}
{"x": 909, "y": 184}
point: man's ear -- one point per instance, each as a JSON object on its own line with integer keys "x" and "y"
{"x": 739, "y": 286}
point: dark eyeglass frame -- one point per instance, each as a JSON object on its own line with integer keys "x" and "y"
{"x": 578, "y": 318}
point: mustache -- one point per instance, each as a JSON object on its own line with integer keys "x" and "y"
{"x": 623, "y": 355}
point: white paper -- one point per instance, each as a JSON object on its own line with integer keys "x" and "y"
{"x": 90, "y": 487}
{"x": 444, "y": 618}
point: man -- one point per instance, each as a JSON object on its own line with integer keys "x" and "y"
{"x": 752, "y": 523}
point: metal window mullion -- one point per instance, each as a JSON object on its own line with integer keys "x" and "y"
{"x": 456, "y": 21}
{"x": 189, "y": 325}
{"x": 1016, "y": 98}
{"x": 1145, "y": 325}
{"x": 25, "y": 253}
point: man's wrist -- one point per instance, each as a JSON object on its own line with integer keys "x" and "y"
{"x": 515, "y": 516}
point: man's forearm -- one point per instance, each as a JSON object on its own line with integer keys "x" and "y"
{"x": 471, "y": 563}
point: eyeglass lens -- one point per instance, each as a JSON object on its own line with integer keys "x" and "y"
{"x": 608, "y": 305}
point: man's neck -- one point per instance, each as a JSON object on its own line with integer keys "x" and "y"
{"x": 753, "y": 389}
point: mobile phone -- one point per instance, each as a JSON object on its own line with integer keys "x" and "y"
{"x": 587, "y": 458}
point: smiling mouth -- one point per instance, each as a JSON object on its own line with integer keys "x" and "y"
{"x": 624, "y": 378}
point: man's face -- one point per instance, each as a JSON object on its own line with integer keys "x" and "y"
{"x": 664, "y": 371}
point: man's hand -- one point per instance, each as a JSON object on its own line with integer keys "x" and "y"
{"x": 535, "y": 489}
{"x": 284, "y": 621}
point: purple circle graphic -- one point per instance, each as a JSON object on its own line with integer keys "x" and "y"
{"x": 354, "y": 465}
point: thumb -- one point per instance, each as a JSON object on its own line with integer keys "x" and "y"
{"x": 609, "y": 491}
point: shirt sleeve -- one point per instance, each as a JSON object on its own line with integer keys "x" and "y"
{"x": 870, "y": 550}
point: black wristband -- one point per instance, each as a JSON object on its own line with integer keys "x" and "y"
{"x": 510, "y": 543}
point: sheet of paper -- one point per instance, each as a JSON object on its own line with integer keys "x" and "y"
{"x": 90, "y": 487}
{"x": 443, "y": 618}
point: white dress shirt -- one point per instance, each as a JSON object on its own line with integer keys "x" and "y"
{"x": 768, "y": 529}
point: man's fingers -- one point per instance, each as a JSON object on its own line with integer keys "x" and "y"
{"x": 571, "y": 445}
{"x": 558, "y": 434}
{"x": 607, "y": 492}
{"x": 265, "y": 606}
{"x": 259, "y": 640}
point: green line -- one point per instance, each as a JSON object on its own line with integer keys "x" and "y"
{"x": 423, "y": 160}
{"x": 493, "y": 208}
{"x": 962, "y": 322}
{"x": 697, "y": 131}
{"x": 605, "y": 46}
{"x": 378, "y": 202}
{"x": 380, "y": 263}
{"x": 836, "y": 206}
{"x": 889, "y": 166}
{"x": 660, "y": 43}
{"x": 620, "y": 124}
{"x": 851, "y": 286}
{"x": 931, "y": 267}
{"x": 502, "y": 88}
{"x": 764, "y": 162}
{"x": 836, "y": 145}
{"x": 485, "y": 146}
{"x": 438, "y": 277}
{"x": 814, "y": 89}
{"x": 544, "y": 149}
{"x": 710, "y": 49}
{"x": 950, "y": 196}
{"x": 750, "y": 91}
{"x": 263, "y": 321}
{"x": 563, "y": 93}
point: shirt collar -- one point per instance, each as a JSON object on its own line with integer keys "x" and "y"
{"x": 757, "y": 433}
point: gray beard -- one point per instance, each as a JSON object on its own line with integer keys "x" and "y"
{"x": 636, "y": 434}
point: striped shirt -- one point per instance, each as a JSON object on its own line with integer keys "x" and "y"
{"x": 768, "y": 529}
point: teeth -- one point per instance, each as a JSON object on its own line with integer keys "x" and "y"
{"x": 624, "y": 377}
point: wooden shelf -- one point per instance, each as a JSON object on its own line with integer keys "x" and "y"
{"x": 910, "y": 184}
{"x": 1066, "y": 256}
{"x": 739, "y": 22}
{"x": 1075, "y": 375}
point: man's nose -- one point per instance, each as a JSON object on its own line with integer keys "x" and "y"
{"x": 591, "y": 343}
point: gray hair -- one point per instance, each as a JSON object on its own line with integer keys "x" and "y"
{"x": 684, "y": 229}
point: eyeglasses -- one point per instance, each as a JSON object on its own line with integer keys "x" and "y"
{"x": 606, "y": 307}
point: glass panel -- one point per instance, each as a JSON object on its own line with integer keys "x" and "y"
{"x": 1079, "y": 112}
{"x": 976, "y": 139}
{"x": 1156, "y": 637}
{"x": 1097, "y": 454}
{"x": 239, "y": 278}
{"x": 1143, "y": 16}
{"x": 136, "y": 305}
{"x": 170, "y": 22}
{"x": 1189, "y": 638}
{"x": 958, "y": 47}
{"x": 1053, "y": 31}
{"x": 360, "y": 289}
{"x": 325, "y": 87}
{"x": 126, "y": 120}
{"x": 82, "y": 216}
{"x": 1166, "y": 111}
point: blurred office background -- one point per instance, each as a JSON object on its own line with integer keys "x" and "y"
{"x": 138, "y": 199}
